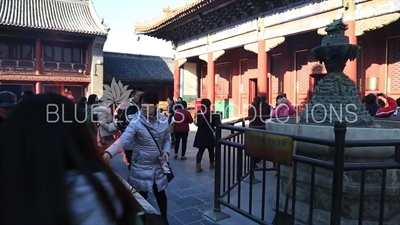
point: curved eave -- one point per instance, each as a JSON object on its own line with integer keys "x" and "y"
{"x": 172, "y": 17}
{"x": 142, "y": 80}
{"x": 75, "y": 17}
{"x": 99, "y": 22}
{"x": 60, "y": 31}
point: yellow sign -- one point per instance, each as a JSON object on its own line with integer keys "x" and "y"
{"x": 271, "y": 147}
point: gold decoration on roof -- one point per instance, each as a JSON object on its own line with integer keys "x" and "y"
{"x": 168, "y": 16}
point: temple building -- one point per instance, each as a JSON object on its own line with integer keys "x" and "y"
{"x": 152, "y": 73}
{"x": 238, "y": 49}
{"x": 51, "y": 46}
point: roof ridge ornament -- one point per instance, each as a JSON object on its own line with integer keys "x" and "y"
{"x": 335, "y": 33}
{"x": 167, "y": 9}
{"x": 337, "y": 27}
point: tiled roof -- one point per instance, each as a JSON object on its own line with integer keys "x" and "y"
{"x": 73, "y": 16}
{"x": 137, "y": 68}
{"x": 170, "y": 16}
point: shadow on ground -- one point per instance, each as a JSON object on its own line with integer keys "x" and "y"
{"x": 191, "y": 194}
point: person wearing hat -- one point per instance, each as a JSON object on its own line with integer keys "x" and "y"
{"x": 25, "y": 94}
{"x": 7, "y": 101}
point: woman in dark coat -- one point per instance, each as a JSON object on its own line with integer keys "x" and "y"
{"x": 206, "y": 122}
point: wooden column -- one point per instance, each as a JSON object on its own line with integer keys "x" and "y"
{"x": 177, "y": 79}
{"x": 38, "y": 87}
{"x": 210, "y": 78}
{"x": 235, "y": 85}
{"x": 89, "y": 59}
{"x": 38, "y": 56}
{"x": 351, "y": 67}
{"x": 349, "y": 18}
{"x": 89, "y": 89}
{"x": 262, "y": 79}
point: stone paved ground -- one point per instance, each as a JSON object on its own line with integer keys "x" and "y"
{"x": 190, "y": 194}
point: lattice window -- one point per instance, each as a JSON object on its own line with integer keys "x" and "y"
{"x": 303, "y": 78}
{"x": 27, "y": 53}
{"x": 218, "y": 80}
{"x": 394, "y": 61}
{"x": 48, "y": 53}
{"x": 3, "y": 51}
{"x": 277, "y": 77}
{"x": 16, "y": 51}
{"x": 223, "y": 79}
{"x": 57, "y": 54}
{"x": 67, "y": 54}
{"x": 204, "y": 81}
{"x": 252, "y": 68}
{"x": 248, "y": 70}
{"x": 302, "y": 71}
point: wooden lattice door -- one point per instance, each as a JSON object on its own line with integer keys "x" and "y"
{"x": 394, "y": 67}
{"x": 277, "y": 77}
{"x": 248, "y": 69}
{"x": 203, "y": 81}
{"x": 223, "y": 80}
{"x": 302, "y": 79}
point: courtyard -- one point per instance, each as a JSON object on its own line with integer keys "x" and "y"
{"x": 191, "y": 194}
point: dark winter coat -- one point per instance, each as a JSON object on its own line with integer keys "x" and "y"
{"x": 205, "y": 136}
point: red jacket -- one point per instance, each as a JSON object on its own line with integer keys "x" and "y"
{"x": 182, "y": 119}
{"x": 385, "y": 112}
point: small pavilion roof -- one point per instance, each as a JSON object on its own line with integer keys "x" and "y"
{"x": 169, "y": 16}
{"x": 72, "y": 16}
{"x": 137, "y": 68}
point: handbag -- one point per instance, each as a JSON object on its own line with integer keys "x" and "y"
{"x": 101, "y": 142}
{"x": 208, "y": 124}
{"x": 171, "y": 126}
{"x": 170, "y": 176}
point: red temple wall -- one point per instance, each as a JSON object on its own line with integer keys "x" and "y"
{"x": 290, "y": 65}
{"x": 380, "y": 56}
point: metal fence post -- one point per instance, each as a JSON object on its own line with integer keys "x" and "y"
{"x": 338, "y": 171}
{"x": 216, "y": 214}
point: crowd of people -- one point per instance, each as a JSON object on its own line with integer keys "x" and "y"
{"x": 378, "y": 106}
{"x": 59, "y": 162}
{"x": 54, "y": 174}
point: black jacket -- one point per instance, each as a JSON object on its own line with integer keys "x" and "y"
{"x": 171, "y": 112}
{"x": 372, "y": 108}
{"x": 2, "y": 121}
{"x": 266, "y": 107}
{"x": 204, "y": 136}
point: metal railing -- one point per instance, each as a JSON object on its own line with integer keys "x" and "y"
{"x": 234, "y": 166}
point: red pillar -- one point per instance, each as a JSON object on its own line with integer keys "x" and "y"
{"x": 235, "y": 72}
{"x": 38, "y": 87}
{"x": 89, "y": 59}
{"x": 177, "y": 79}
{"x": 351, "y": 67}
{"x": 89, "y": 89}
{"x": 38, "y": 56}
{"x": 210, "y": 78}
{"x": 262, "y": 79}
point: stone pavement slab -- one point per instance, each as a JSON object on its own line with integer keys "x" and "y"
{"x": 191, "y": 194}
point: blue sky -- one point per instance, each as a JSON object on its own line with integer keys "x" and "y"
{"x": 120, "y": 16}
